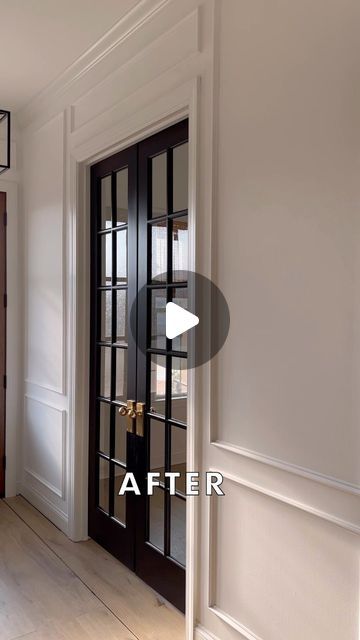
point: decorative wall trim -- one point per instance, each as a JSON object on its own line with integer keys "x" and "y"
{"x": 60, "y": 492}
{"x": 44, "y": 482}
{"x": 144, "y": 12}
{"x": 236, "y": 624}
{"x": 319, "y": 513}
{"x": 203, "y": 634}
{"x": 330, "y": 481}
{"x": 45, "y": 387}
{"x": 45, "y": 506}
{"x": 180, "y": 41}
{"x": 61, "y": 389}
{"x": 142, "y": 122}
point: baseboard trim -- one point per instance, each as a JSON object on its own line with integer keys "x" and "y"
{"x": 58, "y": 517}
{"x": 203, "y": 634}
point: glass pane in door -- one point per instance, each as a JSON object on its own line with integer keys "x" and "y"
{"x": 180, "y": 173}
{"x": 180, "y": 249}
{"x": 122, "y": 197}
{"x": 106, "y": 316}
{"x": 178, "y": 529}
{"x": 106, "y": 260}
{"x": 158, "y": 384}
{"x": 104, "y": 480}
{"x": 119, "y": 501}
{"x": 158, "y": 308}
{"x": 157, "y": 518}
{"x": 121, "y": 256}
{"x": 159, "y": 185}
{"x": 104, "y": 409}
{"x": 106, "y": 204}
{"x": 158, "y": 251}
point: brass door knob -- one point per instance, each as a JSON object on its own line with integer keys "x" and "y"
{"x": 130, "y": 412}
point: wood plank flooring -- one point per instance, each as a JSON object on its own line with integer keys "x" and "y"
{"x": 54, "y": 589}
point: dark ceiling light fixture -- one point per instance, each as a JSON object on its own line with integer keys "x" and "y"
{"x": 4, "y": 140}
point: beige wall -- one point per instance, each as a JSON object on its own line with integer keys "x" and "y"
{"x": 287, "y": 390}
{"x": 288, "y": 230}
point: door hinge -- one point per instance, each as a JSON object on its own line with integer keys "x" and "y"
{"x": 5, "y": 381}
{"x": 5, "y": 218}
{"x": 5, "y": 300}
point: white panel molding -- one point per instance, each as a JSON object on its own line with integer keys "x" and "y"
{"x": 145, "y": 22}
{"x": 61, "y": 390}
{"x": 40, "y": 385}
{"x": 235, "y": 624}
{"x": 297, "y": 504}
{"x": 160, "y": 55}
{"x": 211, "y": 544}
{"x": 315, "y": 476}
{"x": 44, "y": 482}
{"x": 90, "y": 59}
{"x": 58, "y": 491}
{"x": 160, "y": 113}
{"x": 34, "y": 386}
{"x": 44, "y": 505}
{"x": 203, "y": 634}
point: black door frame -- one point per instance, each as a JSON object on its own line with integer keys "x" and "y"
{"x": 128, "y": 543}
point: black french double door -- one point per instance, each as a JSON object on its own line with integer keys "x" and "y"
{"x": 138, "y": 378}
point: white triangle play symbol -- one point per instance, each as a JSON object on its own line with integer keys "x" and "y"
{"x": 178, "y": 320}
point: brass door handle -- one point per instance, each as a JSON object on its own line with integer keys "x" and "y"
{"x": 140, "y": 418}
{"x": 134, "y": 410}
{"x": 130, "y": 412}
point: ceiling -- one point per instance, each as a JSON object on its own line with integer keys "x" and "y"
{"x": 41, "y": 38}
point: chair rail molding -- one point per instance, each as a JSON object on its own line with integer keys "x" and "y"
{"x": 304, "y": 472}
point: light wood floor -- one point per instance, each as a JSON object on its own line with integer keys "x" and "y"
{"x": 55, "y": 589}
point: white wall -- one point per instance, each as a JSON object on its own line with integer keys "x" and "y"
{"x": 278, "y": 555}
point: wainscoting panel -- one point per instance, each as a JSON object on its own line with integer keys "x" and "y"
{"x": 44, "y": 446}
{"x": 257, "y": 543}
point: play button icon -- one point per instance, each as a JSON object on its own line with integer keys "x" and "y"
{"x": 178, "y": 320}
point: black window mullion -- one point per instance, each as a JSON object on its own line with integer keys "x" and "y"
{"x": 111, "y": 488}
{"x": 113, "y": 199}
{"x": 167, "y": 514}
{"x": 169, "y": 224}
{"x": 169, "y": 220}
{"x": 113, "y": 350}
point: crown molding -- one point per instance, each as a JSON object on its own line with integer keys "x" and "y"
{"x": 131, "y": 22}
